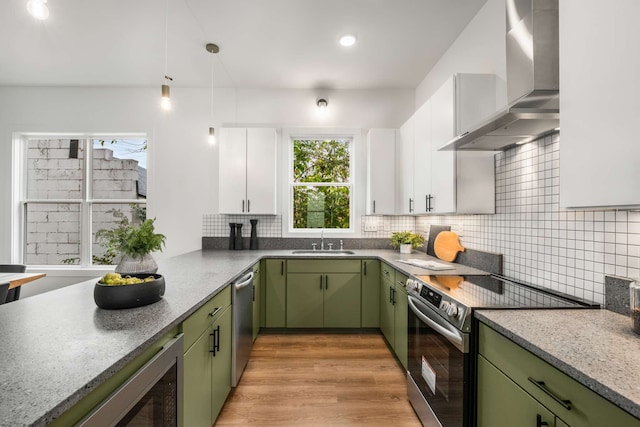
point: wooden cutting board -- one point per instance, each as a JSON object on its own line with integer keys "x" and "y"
{"x": 447, "y": 246}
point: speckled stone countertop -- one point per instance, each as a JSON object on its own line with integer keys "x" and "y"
{"x": 595, "y": 347}
{"x": 58, "y": 346}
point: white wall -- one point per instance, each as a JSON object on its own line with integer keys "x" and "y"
{"x": 183, "y": 177}
{"x": 480, "y": 48}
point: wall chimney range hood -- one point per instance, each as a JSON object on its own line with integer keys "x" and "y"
{"x": 532, "y": 81}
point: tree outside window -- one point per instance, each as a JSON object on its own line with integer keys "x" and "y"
{"x": 322, "y": 183}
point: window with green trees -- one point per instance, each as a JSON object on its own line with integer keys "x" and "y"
{"x": 322, "y": 184}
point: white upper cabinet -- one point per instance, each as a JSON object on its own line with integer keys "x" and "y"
{"x": 381, "y": 170}
{"x": 599, "y": 108}
{"x": 438, "y": 182}
{"x": 404, "y": 169}
{"x": 247, "y": 171}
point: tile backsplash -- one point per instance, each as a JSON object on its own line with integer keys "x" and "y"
{"x": 570, "y": 251}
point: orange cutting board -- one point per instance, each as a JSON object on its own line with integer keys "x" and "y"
{"x": 447, "y": 245}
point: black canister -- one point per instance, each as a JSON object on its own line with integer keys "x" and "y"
{"x": 238, "y": 237}
{"x": 232, "y": 236}
{"x": 253, "y": 240}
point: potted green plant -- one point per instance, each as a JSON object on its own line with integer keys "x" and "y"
{"x": 406, "y": 241}
{"x": 133, "y": 241}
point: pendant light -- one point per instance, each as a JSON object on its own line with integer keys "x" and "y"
{"x": 212, "y": 48}
{"x": 38, "y": 9}
{"x": 165, "y": 99}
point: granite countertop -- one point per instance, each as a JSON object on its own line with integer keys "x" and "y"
{"x": 595, "y": 347}
{"x": 58, "y": 346}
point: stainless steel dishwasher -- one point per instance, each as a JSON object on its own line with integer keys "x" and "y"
{"x": 242, "y": 298}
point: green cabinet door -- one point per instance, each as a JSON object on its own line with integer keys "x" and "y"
{"x": 197, "y": 381}
{"x": 387, "y": 313}
{"x": 256, "y": 300}
{"x": 370, "y": 293}
{"x": 401, "y": 308}
{"x": 220, "y": 363}
{"x": 304, "y": 300}
{"x": 341, "y": 300}
{"x": 501, "y": 402}
{"x": 275, "y": 293}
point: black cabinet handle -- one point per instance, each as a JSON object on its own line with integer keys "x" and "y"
{"x": 566, "y": 404}
{"x": 374, "y": 206}
{"x": 539, "y": 422}
{"x": 428, "y": 198}
{"x": 364, "y": 265}
{"x": 390, "y": 295}
{"x": 215, "y": 311}
{"x": 216, "y": 340}
{"x": 326, "y": 281}
{"x": 253, "y": 290}
{"x": 282, "y": 268}
{"x": 321, "y": 282}
{"x": 243, "y": 206}
{"x": 248, "y": 205}
{"x": 410, "y": 204}
{"x": 394, "y": 296}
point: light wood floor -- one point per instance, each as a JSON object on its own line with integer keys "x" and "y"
{"x": 320, "y": 380}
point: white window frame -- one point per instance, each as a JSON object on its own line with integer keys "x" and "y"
{"x": 288, "y": 136}
{"x": 20, "y": 200}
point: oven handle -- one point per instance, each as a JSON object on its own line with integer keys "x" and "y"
{"x": 452, "y": 334}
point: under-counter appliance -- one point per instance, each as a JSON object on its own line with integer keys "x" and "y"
{"x": 151, "y": 397}
{"x": 441, "y": 340}
{"x": 242, "y": 298}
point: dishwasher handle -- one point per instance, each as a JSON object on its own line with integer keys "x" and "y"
{"x": 245, "y": 281}
{"x": 450, "y": 333}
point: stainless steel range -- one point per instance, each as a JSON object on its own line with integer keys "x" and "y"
{"x": 441, "y": 340}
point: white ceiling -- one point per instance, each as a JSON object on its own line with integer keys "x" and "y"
{"x": 263, "y": 43}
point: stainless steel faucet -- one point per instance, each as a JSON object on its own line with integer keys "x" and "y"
{"x": 322, "y": 240}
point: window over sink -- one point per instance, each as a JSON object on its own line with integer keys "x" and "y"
{"x": 71, "y": 190}
{"x": 321, "y": 183}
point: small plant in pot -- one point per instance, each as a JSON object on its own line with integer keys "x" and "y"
{"x": 134, "y": 242}
{"x": 406, "y": 241}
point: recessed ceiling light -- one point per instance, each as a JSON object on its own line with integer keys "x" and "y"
{"x": 348, "y": 40}
{"x": 38, "y": 9}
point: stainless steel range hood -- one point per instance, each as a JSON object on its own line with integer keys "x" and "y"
{"x": 532, "y": 81}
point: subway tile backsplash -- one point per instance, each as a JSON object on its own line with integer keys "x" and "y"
{"x": 570, "y": 251}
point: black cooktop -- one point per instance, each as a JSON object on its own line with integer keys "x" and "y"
{"x": 493, "y": 291}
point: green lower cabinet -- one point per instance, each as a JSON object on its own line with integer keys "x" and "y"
{"x": 197, "y": 380}
{"x": 502, "y": 403}
{"x": 257, "y": 300}
{"x": 370, "y": 305}
{"x": 305, "y": 293}
{"x": 387, "y": 310}
{"x": 207, "y": 375}
{"x": 316, "y": 300}
{"x": 342, "y": 300}
{"x": 545, "y": 384}
{"x": 401, "y": 308}
{"x": 275, "y": 293}
{"x": 221, "y": 363}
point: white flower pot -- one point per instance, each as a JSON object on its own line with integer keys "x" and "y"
{"x": 405, "y": 248}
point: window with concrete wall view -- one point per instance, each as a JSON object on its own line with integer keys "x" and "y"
{"x": 321, "y": 184}
{"x": 70, "y": 206}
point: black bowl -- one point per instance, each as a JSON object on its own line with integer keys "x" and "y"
{"x": 128, "y": 296}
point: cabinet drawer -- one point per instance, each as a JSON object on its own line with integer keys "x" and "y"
{"x": 323, "y": 266}
{"x": 195, "y": 324}
{"x": 388, "y": 274}
{"x": 587, "y": 408}
{"x": 401, "y": 282}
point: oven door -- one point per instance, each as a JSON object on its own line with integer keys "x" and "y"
{"x": 438, "y": 368}
{"x": 150, "y": 398}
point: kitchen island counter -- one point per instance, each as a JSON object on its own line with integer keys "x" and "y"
{"x": 597, "y": 347}
{"x": 59, "y": 346}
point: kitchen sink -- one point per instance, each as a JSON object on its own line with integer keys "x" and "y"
{"x": 322, "y": 252}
